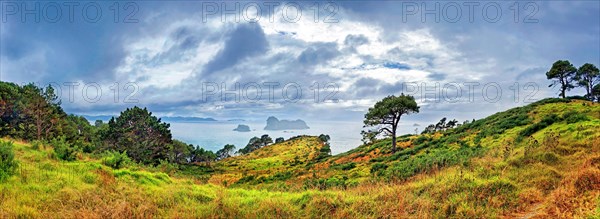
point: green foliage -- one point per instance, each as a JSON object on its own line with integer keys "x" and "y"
{"x": 144, "y": 178}
{"x": 201, "y": 155}
{"x": 115, "y": 159}
{"x": 145, "y": 137}
{"x": 324, "y": 138}
{"x": 167, "y": 167}
{"x": 434, "y": 159}
{"x": 345, "y": 166}
{"x": 35, "y": 145}
{"x": 63, "y": 150}
{"x": 369, "y": 136}
{"x": 324, "y": 152}
{"x": 388, "y": 111}
{"x": 545, "y": 122}
{"x": 571, "y": 117}
{"x": 225, "y": 152}
{"x": 588, "y": 76}
{"x": 442, "y": 125}
{"x": 180, "y": 152}
{"x": 8, "y": 164}
{"x": 378, "y": 168}
{"x": 30, "y": 112}
{"x": 547, "y": 158}
{"x": 498, "y": 123}
{"x": 256, "y": 143}
{"x": 279, "y": 140}
{"x": 562, "y": 73}
{"x": 596, "y": 92}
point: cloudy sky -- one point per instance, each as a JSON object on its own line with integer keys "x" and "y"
{"x": 176, "y": 58}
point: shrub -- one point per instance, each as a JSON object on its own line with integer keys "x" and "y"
{"x": 437, "y": 158}
{"x": 348, "y": 166}
{"x": 548, "y": 158}
{"x": 587, "y": 181}
{"x": 167, "y": 167}
{"x": 545, "y": 122}
{"x": 378, "y": 168}
{"x": 574, "y": 117}
{"x": 36, "y": 144}
{"x": 116, "y": 160}
{"x": 8, "y": 164}
{"x": 420, "y": 140}
{"x": 246, "y": 179}
{"x": 324, "y": 152}
{"x": 63, "y": 150}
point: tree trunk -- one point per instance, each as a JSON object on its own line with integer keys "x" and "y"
{"x": 394, "y": 139}
{"x": 563, "y": 87}
{"x": 39, "y": 128}
{"x": 588, "y": 89}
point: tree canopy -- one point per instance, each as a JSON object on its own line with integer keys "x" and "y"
{"x": 588, "y": 76}
{"x": 145, "y": 138}
{"x": 387, "y": 112}
{"x": 256, "y": 143}
{"x": 562, "y": 73}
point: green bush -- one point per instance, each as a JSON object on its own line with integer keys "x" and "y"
{"x": 574, "y": 117}
{"x": 8, "y": 164}
{"x": 63, "y": 150}
{"x": 378, "y": 168}
{"x": 167, "y": 167}
{"x": 436, "y": 158}
{"x": 548, "y": 158}
{"x": 545, "y": 122}
{"x": 36, "y": 144}
{"x": 116, "y": 160}
{"x": 246, "y": 179}
{"x": 348, "y": 166}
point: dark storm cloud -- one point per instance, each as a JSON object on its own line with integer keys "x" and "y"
{"x": 504, "y": 51}
{"x": 185, "y": 41}
{"x": 244, "y": 41}
{"x": 369, "y": 87}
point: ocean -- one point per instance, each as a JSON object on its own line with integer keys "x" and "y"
{"x": 214, "y": 135}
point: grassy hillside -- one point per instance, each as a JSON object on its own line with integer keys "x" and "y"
{"x": 276, "y": 164}
{"x": 537, "y": 161}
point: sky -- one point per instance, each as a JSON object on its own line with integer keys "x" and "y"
{"x": 295, "y": 60}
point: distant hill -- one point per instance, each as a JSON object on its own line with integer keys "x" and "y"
{"x": 275, "y": 124}
{"x": 164, "y": 119}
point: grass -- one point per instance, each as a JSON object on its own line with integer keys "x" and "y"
{"x": 552, "y": 172}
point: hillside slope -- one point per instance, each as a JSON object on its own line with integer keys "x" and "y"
{"x": 274, "y": 163}
{"x": 537, "y": 161}
{"x": 510, "y": 161}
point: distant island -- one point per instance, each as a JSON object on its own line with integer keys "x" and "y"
{"x": 187, "y": 119}
{"x": 276, "y": 124}
{"x": 236, "y": 120}
{"x": 242, "y": 128}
